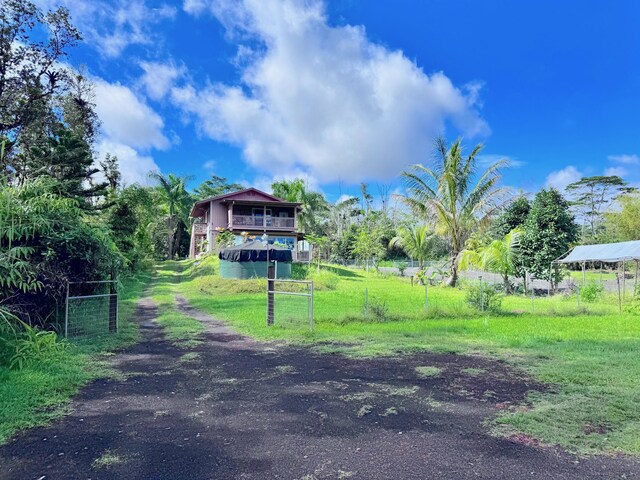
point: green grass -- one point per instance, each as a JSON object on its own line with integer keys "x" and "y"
{"x": 589, "y": 353}
{"x": 427, "y": 371}
{"x": 179, "y": 328}
{"x": 40, "y": 392}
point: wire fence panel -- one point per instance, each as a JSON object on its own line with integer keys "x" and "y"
{"x": 91, "y": 309}
{"x": 290, "y": 303}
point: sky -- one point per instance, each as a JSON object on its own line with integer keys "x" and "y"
{"x": 351, "y": 91}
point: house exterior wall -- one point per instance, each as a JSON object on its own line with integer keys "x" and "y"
{"x": 218, "y": 215}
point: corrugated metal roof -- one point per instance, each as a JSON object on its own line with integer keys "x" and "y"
{"x": 604, "y": 252}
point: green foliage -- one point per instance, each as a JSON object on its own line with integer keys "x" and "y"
{"x": 484, "y": 297}
{"x": 173, "y": 193}
{"x": 215, "y": 186}
{"x": 453, "y": 194}
{"x": 512, "y": 217}
{"x": 623, "y": 224}
{"x": 590, "y": 196}
{"x": 313, "y": 204}
{"x": 45, "y": 241}
{"x": 549, "y": 232}
{"x": 224, "y": 239}
{"x": 31, "y": 344}
{"x": 499, "y": 256}
{"x": 416, "y": 241}
{"x": 591, "y": 291}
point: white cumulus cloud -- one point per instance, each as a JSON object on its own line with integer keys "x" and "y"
{"x": 625, "y": 159}
{"x": 561, "y": 178}
{"x": 159, "y": 78}
{"x": 616, "y": 172}
{"x": 323, "y": 100}
{"x": 126, "y": 118}
{"x": 134, "y": 167}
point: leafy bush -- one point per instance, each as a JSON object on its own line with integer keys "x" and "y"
{"x": 378, "y": 311}
{"x": 591, "y": 291}
{"x": 633, "y": 306}
{"x": 45, "y": 241}
{"x": 402, "y": 266}
{"x": 485, "y": 296}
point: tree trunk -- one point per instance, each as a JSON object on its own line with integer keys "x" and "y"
{"x": 507, "y": 285}
{"x": 177, "y": 241}
{"x": 453, "y": 277}
{"x": 170, "y": 237}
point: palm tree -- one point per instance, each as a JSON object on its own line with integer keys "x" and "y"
{"x": 453, "y": 196}
{"x": 415, "y": 241}
{"x": 499, "y": 256}
{"x": 312, "y": 203}
{"x": 172, "y": 189}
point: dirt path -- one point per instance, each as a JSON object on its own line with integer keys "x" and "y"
{"x": 235, "y": 408}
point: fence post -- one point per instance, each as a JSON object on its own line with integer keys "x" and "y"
{"x": 113, "y": 305}
{"x": 619, "y": 297}
{"x": 532, "y": 293}
{"x": 578, "y": 294}
{"x": 312, "y": 291}
{"x": 481, "y": 294}
{"x": 66, "y": 313}
{"x": 270, "y": 289}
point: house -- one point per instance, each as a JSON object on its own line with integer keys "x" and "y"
{"x": 248, "y": 212}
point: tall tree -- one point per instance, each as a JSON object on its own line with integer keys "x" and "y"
{"x": 215, "y": 186}
{"x": 31, "y": 71}
{"x": 591, "y": 196}
{"x": 512, "y": 217}
{"x": 178, "y": 202}
{"x": 67, "y": 158}
{"x": 313, "y": 204}
{"x": 549, "y": 232}
{"x": 453, "y": 196}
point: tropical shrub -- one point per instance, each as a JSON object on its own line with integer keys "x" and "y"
{"x": 484, "y": 297}
{"x": 45, "y": 241}
{"x": 591, "y": 291}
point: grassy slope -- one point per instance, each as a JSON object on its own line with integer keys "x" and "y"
{"x": 590, "y": 355}
{"x": 40, "y": 392}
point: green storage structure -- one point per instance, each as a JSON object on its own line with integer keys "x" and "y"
{"x": 250, "y": 260}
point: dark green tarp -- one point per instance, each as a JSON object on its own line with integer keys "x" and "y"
{"x": 255, "y": 251}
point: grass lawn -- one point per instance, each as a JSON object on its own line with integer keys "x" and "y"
{"x": 41, "y": 392}
{"x": 590, "y": 354}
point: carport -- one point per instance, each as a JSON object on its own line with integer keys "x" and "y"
{"x": 619, "y": 253}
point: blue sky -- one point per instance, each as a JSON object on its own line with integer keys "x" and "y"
{"x": 340, "y": 92}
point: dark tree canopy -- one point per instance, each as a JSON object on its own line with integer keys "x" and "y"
{"x": 549, "y": 232}
{"x": 514, "y": 216}
{"x": 215, "y": 186}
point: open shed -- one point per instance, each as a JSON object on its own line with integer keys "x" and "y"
{"x": 251, "y": 259}
{"x": 618, "y": 253}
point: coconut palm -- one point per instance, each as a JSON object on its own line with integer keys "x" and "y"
{"x": 499, "y": 256}
{"x": 415, "y": 241}
{"x": 172, "y": 189}
{"x": 453, "y": 195}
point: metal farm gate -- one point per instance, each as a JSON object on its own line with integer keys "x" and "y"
{"x": 91, "y": 308}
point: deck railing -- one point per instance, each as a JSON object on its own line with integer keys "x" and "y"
{"x": 259, "y": 221}
{"x": 200, "y": 228}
